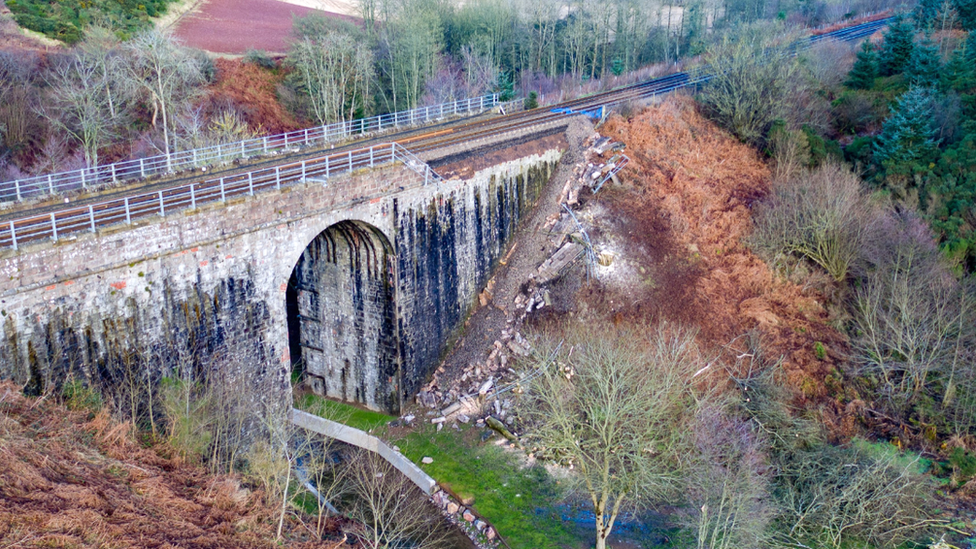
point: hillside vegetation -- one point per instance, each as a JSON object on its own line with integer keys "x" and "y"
{"x": 70, "y": 476}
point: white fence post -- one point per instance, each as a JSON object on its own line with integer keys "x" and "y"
{"x": 250, "y": 183}
{"x": 193, "y": 198}
{"x": 17, "y": 188}
{"x": 91, "y": 216}
{"x": 128, "y": 216}
{"x": 54, "y": 228}
{"x": 162, "y": 207}
{"x": 13, "y": 235}
{"x": 223, "y": 197}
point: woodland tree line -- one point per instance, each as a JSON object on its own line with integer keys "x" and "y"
{"x": 124, "y": 90}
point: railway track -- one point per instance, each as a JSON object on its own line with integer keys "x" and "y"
{"x": 126, "y": 205}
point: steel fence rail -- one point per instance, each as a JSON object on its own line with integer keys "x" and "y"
{"x": 163, "y": 202}
{"x": 112, "y": 174}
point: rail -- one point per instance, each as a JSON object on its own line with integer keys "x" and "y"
{"x": 163, "y": 202}
{"x": 112, "y": 174}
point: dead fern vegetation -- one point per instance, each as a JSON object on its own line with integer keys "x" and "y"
{"x": 78, "y": 478}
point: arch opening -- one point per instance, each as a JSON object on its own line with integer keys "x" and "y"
{"x": 341, "y": 308}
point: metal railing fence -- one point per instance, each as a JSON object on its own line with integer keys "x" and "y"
{"x": 142, "y": 168}
{"x": 162, "y": 202}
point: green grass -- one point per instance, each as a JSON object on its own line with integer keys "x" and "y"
{"x": 519, "y": 501}
{"x": 352, "y": 416}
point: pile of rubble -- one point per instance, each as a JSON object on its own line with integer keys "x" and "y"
{"x": 479, "y": 531}
{"x": 477, "y": 391}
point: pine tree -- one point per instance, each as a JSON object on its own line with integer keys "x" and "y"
{"x": 865, "y": 68}
{"x": 924, "y": 66}
{"x": 925, "y": 12}
{"x": 959, "y": 74}
{"x": 967, "y": 13}
{"x": 907, "y": 141}
{"x": 897, "y": 48}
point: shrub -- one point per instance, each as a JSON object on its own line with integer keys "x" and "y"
{"x": 78, "y": 396}
{"x": 66, "y": 20}
{"x": 260, "y": 58}
{"x": 820, "y": 215}
{"x": 749, "y": 92}
{"x": 853, "y": 112}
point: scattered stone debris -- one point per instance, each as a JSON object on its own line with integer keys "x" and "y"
{"x": 481, "y": 533}
{"x": 472, "y": 392}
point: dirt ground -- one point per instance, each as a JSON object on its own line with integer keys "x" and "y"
{"x": 74, "y": 479}
{"x": 235, "y": 26}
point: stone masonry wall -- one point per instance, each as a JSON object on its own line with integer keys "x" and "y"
{"x": 211, "y": 283}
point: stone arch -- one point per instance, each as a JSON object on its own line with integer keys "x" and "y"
{"x": 341, "y": 309}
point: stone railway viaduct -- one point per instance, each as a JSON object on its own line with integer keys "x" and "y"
{"x": 365, "y": 278}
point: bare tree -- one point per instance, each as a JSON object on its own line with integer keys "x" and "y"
{"x": 78, "y": 104}
{"x": 754, "y": 82}
{"x": 821, "y": 215}
{"x": 829, "y": 495}
{"x": 613, "y": 406}
{"x": 389, "y": 510}
{"x": 334, "y": 73}
{"x": 410, "y": 44}
{"x": 833, "y": 496}
{"x": 731, "y": 501}
{"x": 914, "y": 321}
{"x": 166, "y": 75}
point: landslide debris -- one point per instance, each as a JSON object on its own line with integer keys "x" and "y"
{"x": 679, "y": 223}
{"x": 664, "y": 240}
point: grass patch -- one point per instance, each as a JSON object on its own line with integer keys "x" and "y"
{"x": 347, "y": 414}
{"x": 519, "y": 502}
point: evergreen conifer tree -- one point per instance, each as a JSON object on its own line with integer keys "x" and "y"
{"x": 865, "y": 68}
{"x": 967, "y": 13}
{"x": 925, "y": 12}
{"x": 924, "y": 65}
{"x": 897, "y": 48}
{"x": 907, "y": 141}
{"x": 959, "y": 73}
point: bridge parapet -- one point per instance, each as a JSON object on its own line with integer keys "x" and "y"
{"x": 91, "y": 217}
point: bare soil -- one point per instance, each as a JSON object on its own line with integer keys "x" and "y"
{"x": 235, "y": 26}
{"x": 74, "y": 479}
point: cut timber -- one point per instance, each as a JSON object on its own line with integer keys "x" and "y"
{"x": 554, "y": 266}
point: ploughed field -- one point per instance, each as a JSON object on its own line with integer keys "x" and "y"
{"x": 235, "y": 26}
